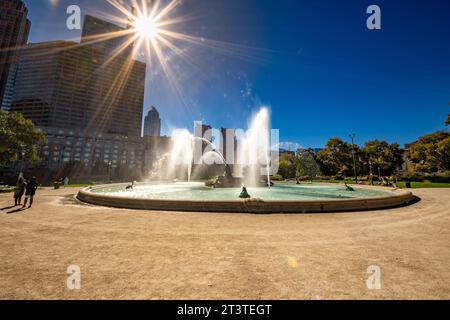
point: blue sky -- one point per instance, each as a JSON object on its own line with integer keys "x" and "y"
{"x": 314, "y": 63}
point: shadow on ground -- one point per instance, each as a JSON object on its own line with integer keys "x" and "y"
{"x": 70, "y": 199}
{"x": 19, "y": 209}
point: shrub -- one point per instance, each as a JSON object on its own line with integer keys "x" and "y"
{"x": 276, "y": 177}
{"x": 419, "y": 177}
{"x": 304, "y": 178}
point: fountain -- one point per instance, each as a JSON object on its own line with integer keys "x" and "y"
{"x": 253, "y": 157}
{"x": 255, "y": 151}
{"x": 178, "y": 163}
{"x": 239, "y": 187}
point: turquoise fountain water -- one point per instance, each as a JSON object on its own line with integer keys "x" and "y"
{"x": 225, "y": 193}
{"x": 197, "y": 191}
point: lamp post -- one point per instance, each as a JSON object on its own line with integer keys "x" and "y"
{"x": 21, "y": 161}
{"x": 109, "y": 170}
{"x": 352, "y": 136}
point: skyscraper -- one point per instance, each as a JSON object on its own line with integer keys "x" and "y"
{"x": 62, "y": 84}
{"x": 105, "y": 36}
{"x": 8, "y": 95}
{"x": 152, "y": 123}
{"x": 14, "y": 30}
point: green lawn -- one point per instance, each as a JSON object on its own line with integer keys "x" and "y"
{"x": 414, "y": 185}
{"x": 11, "y": 189}
{"x": 75, "y": 185}
{"x": 6, "y": 189}
{"x": 400, "y": 184}
{"x": 79, "y": 185}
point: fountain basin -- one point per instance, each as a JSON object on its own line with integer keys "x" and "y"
{"x": 282, "y": 198}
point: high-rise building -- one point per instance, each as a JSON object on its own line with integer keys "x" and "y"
{"x": 8, "y": 95}
{"x": 228, "y": 145}
{"x": 152, "y": 123}
{"x": 87, "y": 101}
{"x": 61, "y": 84}
{"x": 105, "y": 36}
{"x": 14, "y": 30}
{"x": 155, "y": 148}
{"x": 204, "y": 138}
{"x": 203, "y": 131}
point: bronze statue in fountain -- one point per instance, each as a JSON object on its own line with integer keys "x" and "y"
{"x": 227, "y": 180}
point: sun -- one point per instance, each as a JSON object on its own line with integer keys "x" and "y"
{"x": 146, "y": 28}
{"x": 151, "y": 30}
{"x": 153, "y": 33}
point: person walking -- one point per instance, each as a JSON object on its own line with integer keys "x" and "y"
{"x": 394, "y": 181}
{"x": 30, "y": 191}
{"x": 66, "y": 182}
{"x": 19, "y": 191}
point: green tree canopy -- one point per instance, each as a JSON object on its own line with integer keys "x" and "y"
{"x": 287, "y": 165}
{"x": 447, "y": 122}
{"x": 443, "y": 150}
{"x": 431, "y": 153}
{"x": 336, "y": 158}
{"x": 307, "y": 165}
{"x": 19, "y": 138}
{"x": 380, "y": 154}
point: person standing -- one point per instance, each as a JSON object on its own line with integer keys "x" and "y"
{"x": 19, "y": 191}
{"x": 394, "y": 181}
{"x": 30, "y": 191}
{"x": 66, "y": 182}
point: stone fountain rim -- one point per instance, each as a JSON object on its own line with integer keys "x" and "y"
{"x": 399, "y": 197}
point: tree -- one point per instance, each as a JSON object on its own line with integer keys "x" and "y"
{"x": 382, "y": 156}
{"x": 19, "y": 138}
{"x": 336, "y": 158}
{"x": 287, "y": 165}
{"x": 307, "y": 165}
{"x": 443, "y": 151}
{"x": 431, "y": 153}
{"x": 447, "y": 122}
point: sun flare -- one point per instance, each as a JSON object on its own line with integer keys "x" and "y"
{"x": 149, "y": 27}
{"x": 154, "y": 35}
{"x": 146, "y": 28}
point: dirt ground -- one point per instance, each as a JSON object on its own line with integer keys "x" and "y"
{"x": 126, "y": 254}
